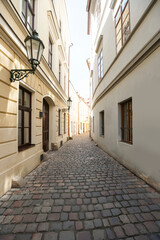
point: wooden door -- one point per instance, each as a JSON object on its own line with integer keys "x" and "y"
{"x": 45, "y": 126}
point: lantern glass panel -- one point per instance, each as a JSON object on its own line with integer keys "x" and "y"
{"x": 35, "y": 47}
{"x": 69, "y": 102}
{"x": 41, "y": 48}
{"x": 28, "y": 47}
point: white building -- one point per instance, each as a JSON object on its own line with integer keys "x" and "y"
{"x": 125, "y": 74}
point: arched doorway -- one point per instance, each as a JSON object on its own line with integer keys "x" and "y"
{"x": 49, "y": 123}
{"x": 45, "y": 125}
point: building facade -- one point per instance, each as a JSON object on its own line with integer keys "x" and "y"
{"x": 84, "y": 116}
{"x": 74, "y": 110}
{"x": 79, "y": 113}
{"x": 125, "y": 74}
{"x": 32, "y": 120}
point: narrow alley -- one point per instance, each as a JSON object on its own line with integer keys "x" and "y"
{"x": 80, "y": 193}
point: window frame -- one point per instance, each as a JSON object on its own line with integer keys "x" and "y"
{"x": 100, "y": 65}
{"x": 121, "y": 11}
{"x": 93, "y": 124}
{"x": 60, "y": 72}
{"x": 28, "y": 8}
{"x": 64, "y": 123}
{"x": 126, "y": 106}
{"x": 23, "y": 109}
{"x": 98, "y": 12}
{"x": 59, "y": 122}
{"x": 50, "y": 53}
{"x": 101, "y": 123}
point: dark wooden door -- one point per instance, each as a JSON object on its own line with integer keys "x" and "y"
{"x": 45, "y": 126}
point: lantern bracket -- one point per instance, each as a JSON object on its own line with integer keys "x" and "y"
{"x": 19, "y": 74}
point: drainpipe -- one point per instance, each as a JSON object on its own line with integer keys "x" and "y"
{"x": 68, "y": 89}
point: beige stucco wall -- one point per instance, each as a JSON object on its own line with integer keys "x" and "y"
{"x": 14, "y": 162}
{"x": 42, "y": 85}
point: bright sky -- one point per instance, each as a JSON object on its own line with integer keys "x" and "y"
{"x": 79, "y": 73}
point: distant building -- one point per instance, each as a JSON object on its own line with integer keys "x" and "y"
{"x": 84, "y": 116}
{"x": 125, "y": 75}
{"x": 74, "y": 111}
{"x": 32, "y": 119}
{"x": 79, "y": 113}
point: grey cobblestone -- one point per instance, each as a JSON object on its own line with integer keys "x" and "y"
{"x": 80, "y": 193}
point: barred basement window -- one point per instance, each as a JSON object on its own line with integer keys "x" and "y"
{"x": 28, "y": 13}
{"x": 24, "y": 118}
{"x": 122, "y": 24}
{"x": 101, "y": 123}
{"x": 126, "y": 122}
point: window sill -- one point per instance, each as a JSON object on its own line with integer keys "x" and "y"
{"x": 101, "y": 135}
{"x": 126, "y": 142}
{"x": 23, "y": 148}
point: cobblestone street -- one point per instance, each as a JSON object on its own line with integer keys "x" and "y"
{"x": 80, "y": 193}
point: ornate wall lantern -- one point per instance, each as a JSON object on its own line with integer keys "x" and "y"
{"x": 34, "y": 48}
{"x": 69, "y": 101}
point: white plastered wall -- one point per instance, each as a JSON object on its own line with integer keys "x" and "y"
{"x": 142, "y": 84}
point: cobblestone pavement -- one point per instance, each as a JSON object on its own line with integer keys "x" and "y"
{"x": 80, "y": 193}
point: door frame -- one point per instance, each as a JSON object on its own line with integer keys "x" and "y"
{"x": 52, "y": 120}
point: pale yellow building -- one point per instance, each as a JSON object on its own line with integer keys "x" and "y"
{"x": 84, "y": 116}
{"x": 125, "y": 76}
{"x": 32, "y": 119}
{"x": 79, "y": 113}
{"x": 74, "y": 110}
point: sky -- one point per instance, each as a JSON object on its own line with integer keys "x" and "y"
{"x": 79, "y": 52}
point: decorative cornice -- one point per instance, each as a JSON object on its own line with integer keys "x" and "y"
{"x": 112, "y": 4}
{"x": 99, "y": 42}
{"x": 88, "y": 5}
{"x": 53, "y": 24}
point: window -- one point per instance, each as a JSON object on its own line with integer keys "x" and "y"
{"x": 59, "y": 73}
{"x": 93, "y": 124}
{"x": 28, "y": 13}
{"x": 24, "y": 118}
{"x": 50, "y": 54}
{"x": 59, "y": 122}
{"x": 64, "y": 122}
{"x": 60, "y": 26}
{"x": 122, "y": 24}
{"x": 100, "y": 66}
{"x": 101, "y": 123}
{"x": 98, "y": 12}
{"x": 126, "y": 121}
{"x": 65, "y": 84}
